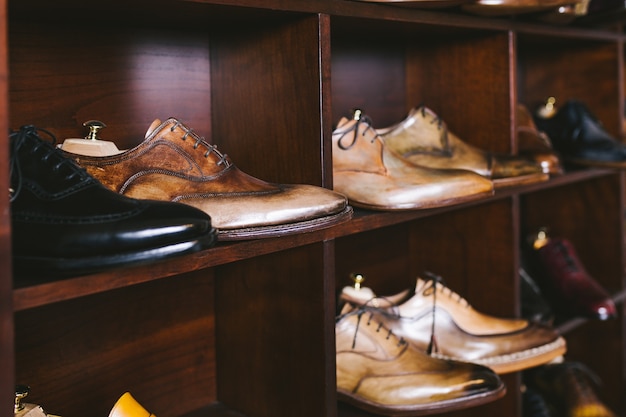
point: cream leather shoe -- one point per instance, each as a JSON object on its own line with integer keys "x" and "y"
{"x": 423, "y": 139}
{"x": 434, "y": 313}
{"x": 175, "y": 164}
{"x": 127, "y": 406}
{"x": 374, "y": 177}
{"x": 382, "y": 373}
{"x": 512, "y": 7}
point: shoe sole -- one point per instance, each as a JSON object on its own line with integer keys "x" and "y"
{"x": 422, "y": 409}
{"x": 499, "y": 183}
{"x": 38, "y": 269}
{"x": 285, "y": 229}
{"x": 519, "y": 361}
{"x": 421, "y": 205}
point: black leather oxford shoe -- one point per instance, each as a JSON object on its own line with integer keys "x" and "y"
{"x": 580, "y": 137}
{"x": 66, "y": 223}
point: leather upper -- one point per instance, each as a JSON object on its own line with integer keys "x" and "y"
{"x": 424, "y": 140}
{"x": 461, "y": 332}
{"x": 580, "y": 137}
{"x": 534, "y": 143}
{"x": 381, "y": 372}
{"x": 175, "y": 164}
{"x": 65, "y": 220}
{"x": 569, "y": 285}
{"x": 127, "y": 406}
{"x": 373, "y": 176}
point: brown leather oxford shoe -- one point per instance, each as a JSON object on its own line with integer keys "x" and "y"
{"x": 175, "y": 164}
{"x": 534, "y": 144}
{"x": 423, "y": 139}
{"x": 382, "y": 373}
{"x": 433, "y": 313}
{"x": 374, "y": 177}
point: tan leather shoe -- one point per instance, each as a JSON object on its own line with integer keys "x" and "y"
{"x": 423, "y": 139}
{"x": 513, "y": 7}
{"x": 175, "y": 164}
{"x": 374, "y": 177}
{"x": 535, "y": 144}
{"x": 382, "y": 373}
{"x": 459, "y": 331}
{"x": 127, "y": 406}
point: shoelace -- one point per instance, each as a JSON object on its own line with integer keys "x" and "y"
{"x": 359, "y": 311}
{"x": 567, "y": 256}
{"x": 430, "y": 287}
{"x": 436, "y": 118}
{"x": 361, "y": 119}
{"x": 50, "y": 155}
{"x": 199, "y": 140}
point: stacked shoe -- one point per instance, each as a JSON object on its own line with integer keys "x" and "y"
{"x": 423, "y": 139}
{"x": 442, "y": 323}
{"x": 381, "y": 373}
{"x": 373, "y": 176}
{"x": 568, "y": 389}
{"x": 66, "y": 223}
{"x": 175, "y": 164}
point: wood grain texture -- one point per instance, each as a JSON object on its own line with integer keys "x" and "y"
{"x": 247, "y": 328}
{"x": 155, "y": 340}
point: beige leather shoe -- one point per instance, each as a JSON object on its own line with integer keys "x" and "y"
{"x": 175, "y": 164}
{"x": 382, "y": 373}
{"x": 423, "y": 139}
{"x": 440, "y": 316}
{"x": 127, "y": 406}
{"x": 372, "y": 176}
{"x": 513, "y": 7}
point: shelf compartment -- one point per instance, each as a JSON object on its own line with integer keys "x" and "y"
{"x": 35, "y": 295}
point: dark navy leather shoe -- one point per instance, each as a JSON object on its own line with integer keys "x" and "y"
{"x": 66, "y": 223}
{"x": 580, "y": 137}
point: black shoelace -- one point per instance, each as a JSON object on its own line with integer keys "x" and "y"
{"x": 371, "y": 311}
{"x": 361, "y": 119}
{"x": 49, "y": 154}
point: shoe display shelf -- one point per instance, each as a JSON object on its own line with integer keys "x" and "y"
{"x": 247, "y": 328}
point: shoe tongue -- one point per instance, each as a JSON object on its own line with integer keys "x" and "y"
{"x": 153, "y": 126}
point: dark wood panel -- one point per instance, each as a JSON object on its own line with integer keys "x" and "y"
{"x": 474, "y": 252}
{"x": 466, "y": 81}
{"x": 271, "y": 333}
{"x": 382, "y": 256}
{"x": 267, "y": 100}
{"x": 64, "y": 75}
{"x": 370, "y": 76}
{"x": 155, "y": 340}
{"x": 580, "y": 70}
